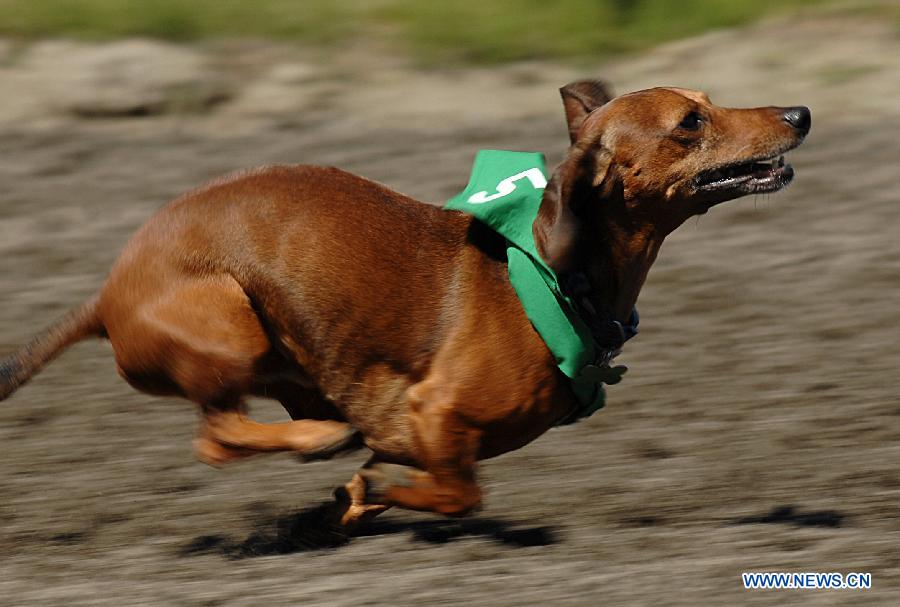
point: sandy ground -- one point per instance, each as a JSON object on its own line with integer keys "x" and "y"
{"x": 757, "y": 429}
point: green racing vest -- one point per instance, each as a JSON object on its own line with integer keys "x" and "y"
{"x": 505, "y": 192}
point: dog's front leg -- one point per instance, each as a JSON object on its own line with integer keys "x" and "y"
{"x": 447, "y": 448}
{"x": 228, "y": 435}
{"x": 415, "y": 489}
{"x": 350, "y": 506}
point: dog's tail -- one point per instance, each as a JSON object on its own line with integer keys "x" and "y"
{"x": 19, "y": 367}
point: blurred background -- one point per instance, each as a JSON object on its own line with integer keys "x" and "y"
{"x": 756, "y": 430}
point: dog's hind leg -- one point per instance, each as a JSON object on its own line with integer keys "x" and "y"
{"x": 200, "y": 338}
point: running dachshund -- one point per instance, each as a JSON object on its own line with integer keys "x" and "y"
{"x": 376, "y": 319}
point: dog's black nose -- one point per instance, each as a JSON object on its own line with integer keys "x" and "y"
{"x": 799, "y": 118}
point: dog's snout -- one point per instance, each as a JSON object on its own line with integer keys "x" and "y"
{"x": 799, "y": 118}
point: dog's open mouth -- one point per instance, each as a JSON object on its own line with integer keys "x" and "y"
{"x": 755, "y": 177}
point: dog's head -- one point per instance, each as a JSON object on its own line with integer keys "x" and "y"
{"x": 658, "y": 156}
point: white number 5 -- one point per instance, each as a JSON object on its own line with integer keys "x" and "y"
{"x": 508, "y": 186}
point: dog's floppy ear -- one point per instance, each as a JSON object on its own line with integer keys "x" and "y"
{"x": 579, "y": 182}
{"x": 580, "y": 98}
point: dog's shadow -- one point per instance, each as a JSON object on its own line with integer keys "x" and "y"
{"x": 312, "y": 530}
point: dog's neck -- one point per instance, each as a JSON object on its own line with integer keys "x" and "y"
{"x": 618, "y": 249}
{"x": 612, "y": 241}
{"x": 617, "y": 262}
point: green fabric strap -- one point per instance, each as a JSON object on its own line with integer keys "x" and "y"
{"x": 505, "y": 192}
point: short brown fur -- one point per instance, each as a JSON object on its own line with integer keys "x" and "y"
{"x": 367, "y": 313}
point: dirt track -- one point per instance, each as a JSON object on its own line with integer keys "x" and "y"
{"x": 757, "y": 429}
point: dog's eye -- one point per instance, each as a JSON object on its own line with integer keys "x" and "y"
{"x": 691, "y": 122}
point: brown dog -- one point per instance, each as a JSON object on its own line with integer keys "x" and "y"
{"x": 365, "y": 312}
